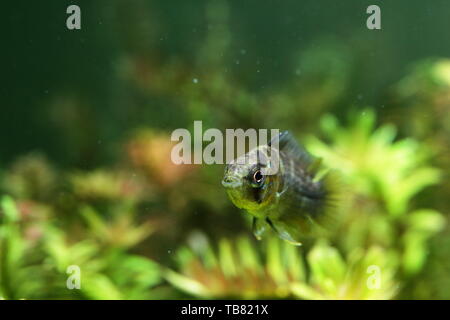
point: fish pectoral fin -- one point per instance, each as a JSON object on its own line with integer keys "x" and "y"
{"x": 286, "y": 232}
{"x": 259, "y": 227}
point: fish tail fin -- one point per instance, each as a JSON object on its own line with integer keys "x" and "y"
{"x": 329, "y": 214}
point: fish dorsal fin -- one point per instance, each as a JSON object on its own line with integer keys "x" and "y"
{"x": 289, "y": 146}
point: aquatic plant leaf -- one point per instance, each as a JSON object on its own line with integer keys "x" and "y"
{"x": 426, "y": 220}
{"x": 186, "y": 284}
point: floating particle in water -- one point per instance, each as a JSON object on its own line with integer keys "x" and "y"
{"x": 243, "y": 51}
{"x": 195, "y": 80}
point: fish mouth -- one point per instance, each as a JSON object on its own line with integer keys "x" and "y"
{"x": 231, "y": 183}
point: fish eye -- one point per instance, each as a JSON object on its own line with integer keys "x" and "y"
{"x": 258, "y": 177}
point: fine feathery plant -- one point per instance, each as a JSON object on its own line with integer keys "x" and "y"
{"x": 240, "y": 269}
{"x": 381, "y": 176}
{"x": 393, "y": 171}
{"x": 39, "y": 269}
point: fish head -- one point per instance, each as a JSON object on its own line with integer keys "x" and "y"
{"x": 248, "y": 185}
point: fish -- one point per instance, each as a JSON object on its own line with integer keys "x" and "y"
{"x": 295, "y": 201}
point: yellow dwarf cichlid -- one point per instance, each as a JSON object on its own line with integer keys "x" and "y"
{"x": 293, "y": 201}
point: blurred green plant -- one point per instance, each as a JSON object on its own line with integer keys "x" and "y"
{"x": 240, "y": 269}
{"x": 424, "y": 95}
{"x": 381, "y": 176}
{"x": 31, "y": 177}
{"x": 38, "y": 269}
{"x": 370, "y": 159}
